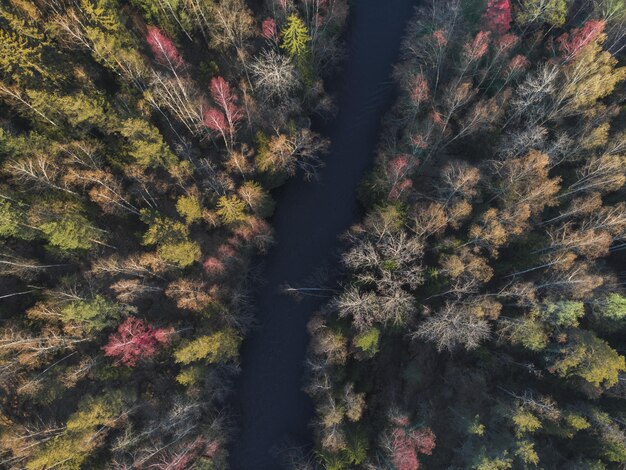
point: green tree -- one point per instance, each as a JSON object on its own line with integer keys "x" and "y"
{"x": 171, "y": 238}
{"x": 20, "y": 57}
{"x": 10, "y": 219}
{"x": 182, "y": 253}
{"x": 93, "y": 315}
{"x": 367, "y": 341}
{"x": 231, "y": 209}
{"x": 295, "y": 37}
{"x": 564, "y": 314}
{"x": 590, "y": 358}
{"x": 85, "y": 431}
{"x": 71, "y": 232}
{"x": 222, "y": 346}
{"x": 190, "y": 208}
{"x": 612, "y": 307}
{"x": 525, "y": 422}
{"x": 553, "y": 12}
{"x": 147, "y": 146}
{"x": 162, "y": 230}
{"x": 528, "y": 332}
{"x": 78, "y": 109}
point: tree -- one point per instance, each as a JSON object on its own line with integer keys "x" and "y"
{"x": 85, "y": 431}
{"x": 182, "y": 253}
{"x": 222, "y": 346}
{"x": 10, "y": 219}
{"x": 189, "y": 294}
{"x": 403, "y": 443}
{"x": 163, "y": 48}
{"x": 71, "y": 232}
{"x": 497, "y": 17}
{"x": 231, "y": 209}
{"x": 283, "y": 155}
{"x": 571, "y": 44}
{"x": 453, "y": 326}
{"x": 20, "y": 57}
{"x": 367, "y": 341}
{"x": 171, "y": 238}
{"x": 295, "y": 38}
{"x": 588, "y": 357}
{"x": 553, "y": 12}
{"x": 134, "y": 341}
{"x": 147, "y": 146}
{"x": 223, "y": 120}
{"x": 232, "y": 23}
{"x": 259, "y": 201}
{"x": 274, "y": 75}
{"x": 190, "y": 208}
{"x": 92, "y": 315}
{"x": 611, "y": 308}
{"x": 268, "y": 29}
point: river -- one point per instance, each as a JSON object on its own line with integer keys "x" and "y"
{"x": 274, "y": 413}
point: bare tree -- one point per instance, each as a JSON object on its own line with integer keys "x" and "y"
{"x": 453, "y": 326}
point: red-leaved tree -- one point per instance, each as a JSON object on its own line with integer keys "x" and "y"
{"x": 420, "y": 91}
{"x": 135, "y": 340}
{"x": 213, "y": 266}
{"x": 477, "y": 47}
{"x": 408, "y": 444}
{"x": 497, "y": 17}
{"x": 223, "y": 120}
{"x": 163, "y": 48}
{"x": 268, "y": 29}
{"x": 572, "y": 43}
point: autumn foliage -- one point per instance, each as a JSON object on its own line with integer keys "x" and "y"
{"x": 135, "y": 340}
{"x": 497, "y": 18}
{"x": 570, "y": 44}
{"x": 163, "y": 48}
{"x": 407, "y": 444}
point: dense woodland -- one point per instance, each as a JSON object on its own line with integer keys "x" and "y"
{"x": 480, "y": 322}
{"x": 139, "y": 141}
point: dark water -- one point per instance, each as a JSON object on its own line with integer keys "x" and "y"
{"x": 274, "y": 411}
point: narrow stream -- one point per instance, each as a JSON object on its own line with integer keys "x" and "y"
{"x": 274, "y": 411}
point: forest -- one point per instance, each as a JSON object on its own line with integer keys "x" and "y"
{"x": 139, "y": 143}
{"x": 477, "y": 310}
{"x": 480, "y": 318}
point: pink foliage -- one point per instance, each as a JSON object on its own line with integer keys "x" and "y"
{"x": 214, "y": 119}
{"x": 518, "y": 63}
{"x": 212, "y": 448}
{"x": 135, "y": 340}
{"x": 477, "y": 47}
{"x": 497, "y": 18}
{"x": 163, "y": 48}
{"x": 226, "y": 251}
{"x": 440, "y": 38}
{"x": 407, "y": 444}
{"x": 437, "y": 118}
{"x": 268, "y": 29}
{"x": 398, "y": 188}
{"x": 254, "y": 227}
{"x": 506, "y": 42}
{"x": 419, "y": 141}
{"x": 213, "y": 266}
{"x": 572, "y": 44}
{"x": 398, "y": 165}
{"x": 420, "y": 91}
{"x": 226, "y": 100}
{"x": 181, "y": 457}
